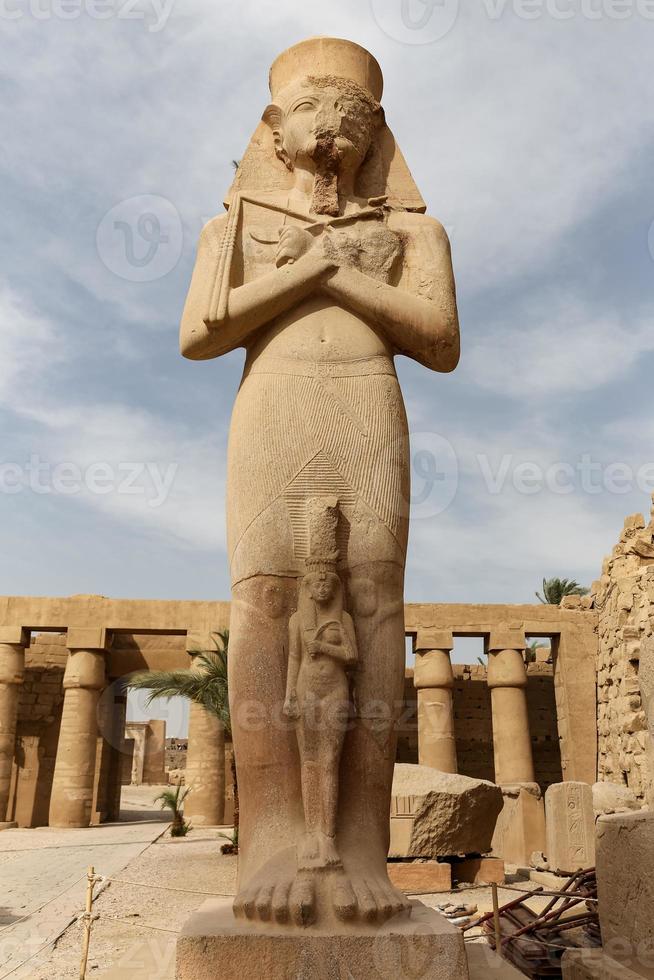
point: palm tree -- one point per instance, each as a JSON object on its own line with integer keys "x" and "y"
{"x": 207, "y": 685}
{"x": 173, "y": 800}
{"x": 554, "y": 590}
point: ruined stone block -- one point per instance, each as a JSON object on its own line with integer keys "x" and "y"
{"x": 570, "y": 824}
{"x": 437, "y": 814}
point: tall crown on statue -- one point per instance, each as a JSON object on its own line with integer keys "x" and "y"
{"x": 320, "y": 56}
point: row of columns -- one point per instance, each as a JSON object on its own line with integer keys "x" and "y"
{"x": 73, "y": 784}
{"x": 507, "y": 680}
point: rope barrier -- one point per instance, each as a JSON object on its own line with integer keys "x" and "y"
{"x": 167, "y": 888}
{"x": 138, "y": 925}
{"x": 516, "y": 939}
{"x": 64, "y": 847}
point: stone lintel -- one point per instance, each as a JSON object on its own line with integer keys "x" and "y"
{"x": 201, "y": 640}
{"x": 14, "y": 636}
{"x": 87, "y": 638}
{"x": 507, "y": 638}
{"x": 431, "y": 638}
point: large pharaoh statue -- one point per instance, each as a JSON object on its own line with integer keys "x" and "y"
{"x": 324, "y": 268}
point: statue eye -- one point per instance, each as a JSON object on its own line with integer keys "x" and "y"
{"x": 303, "y": 106}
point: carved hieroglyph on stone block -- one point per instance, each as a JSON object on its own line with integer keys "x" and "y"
{"x": 323, "y": 269}
{"x": 570, "y": 827}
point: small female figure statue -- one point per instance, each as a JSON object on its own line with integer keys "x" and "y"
{"x": 322, "y": 654}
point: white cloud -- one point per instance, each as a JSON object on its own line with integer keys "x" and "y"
{"x": 557, "y": 346}
{"x": 517, "y": 132}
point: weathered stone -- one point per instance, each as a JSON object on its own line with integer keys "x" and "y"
{"x": 420, "y": 877}
{"x": 479, "y": 871}
{"x": 613, "y": 798}
{"x": 570, "y": 827}
{"x": 625, "y": 882}
{"x": 303, "y": 271}
{"x": 214, "y": 944}
{"x": 437, "y": 814}
{"x": 595, "y": 964}
{"x": 520, "y": 828}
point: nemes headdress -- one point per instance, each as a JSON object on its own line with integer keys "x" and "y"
{"x": 384, "y": 174}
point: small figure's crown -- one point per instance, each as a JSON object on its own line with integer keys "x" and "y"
{"x": 323, "y": 514}
{"x": 327, "y": 56}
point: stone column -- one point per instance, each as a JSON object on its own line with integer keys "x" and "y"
{"x": 507, "y": 680}
{"x": 116, "y": 756}
{"x": 434, "y": 680}
{"x": 72, "y": 785}
{"x": 520, "y": 829}
{"x": 13, "y": 641}
{"x": 205, "y": 759}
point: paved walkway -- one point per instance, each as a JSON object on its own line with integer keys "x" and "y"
{"x": 43, "y": 875}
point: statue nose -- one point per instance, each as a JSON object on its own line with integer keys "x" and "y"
{"x": 329, "y": 118}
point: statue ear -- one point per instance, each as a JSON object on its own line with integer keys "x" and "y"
{"x": 379, "y": 118}
{"x": 273, "y": 117}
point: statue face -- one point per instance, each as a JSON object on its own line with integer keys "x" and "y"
{"x": 308, "y": 114}
{"x": 322, "y": 586}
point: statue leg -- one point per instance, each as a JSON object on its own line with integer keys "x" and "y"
{"x": 267, "y": 761}
{"x": 370, "y": 747}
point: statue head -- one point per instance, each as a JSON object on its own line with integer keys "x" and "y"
{"x": 339, "y": 136}
{"x": 322, "y": 586}
{"x": 320, "y": 119}
{"x": 325, "y": 112}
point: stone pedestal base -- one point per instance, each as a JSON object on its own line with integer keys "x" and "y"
{"x": 424, "y": 946}
{"x": 594, "y": 964}
{"x": 8, "y": 824}
{"x": 520, "y": 828}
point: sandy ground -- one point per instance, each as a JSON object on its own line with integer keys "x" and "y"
{"x": 142, "y": 946}
{"x": 149, "y": 868}
{"x": 43, "y": 874}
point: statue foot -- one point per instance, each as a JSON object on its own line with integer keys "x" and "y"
{"x": 283, "y": 901}
{"x": 316, "y": 851}
{"x": 370, "y": 899}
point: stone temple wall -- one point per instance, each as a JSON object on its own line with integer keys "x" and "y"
{"x": 473, "y": 726}
{"x": 624, "y": 600}
{"x": 39, "y": 717}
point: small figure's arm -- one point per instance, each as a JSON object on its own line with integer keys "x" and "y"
{"x": 345, "y": 651}
{"x": 291, "y": 707}
{"x": 249, "y": 306}
{"x": 424, "y": 328}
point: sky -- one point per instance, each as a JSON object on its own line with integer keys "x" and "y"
{"x": 528, "y": 126}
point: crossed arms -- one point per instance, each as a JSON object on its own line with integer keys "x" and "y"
{"x": 424, "y": 327}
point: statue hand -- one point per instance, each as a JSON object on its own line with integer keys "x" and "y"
{"x": 314, "y": 647}
{"x": 293, "y": 243}
{"x": 291, "y": 707}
